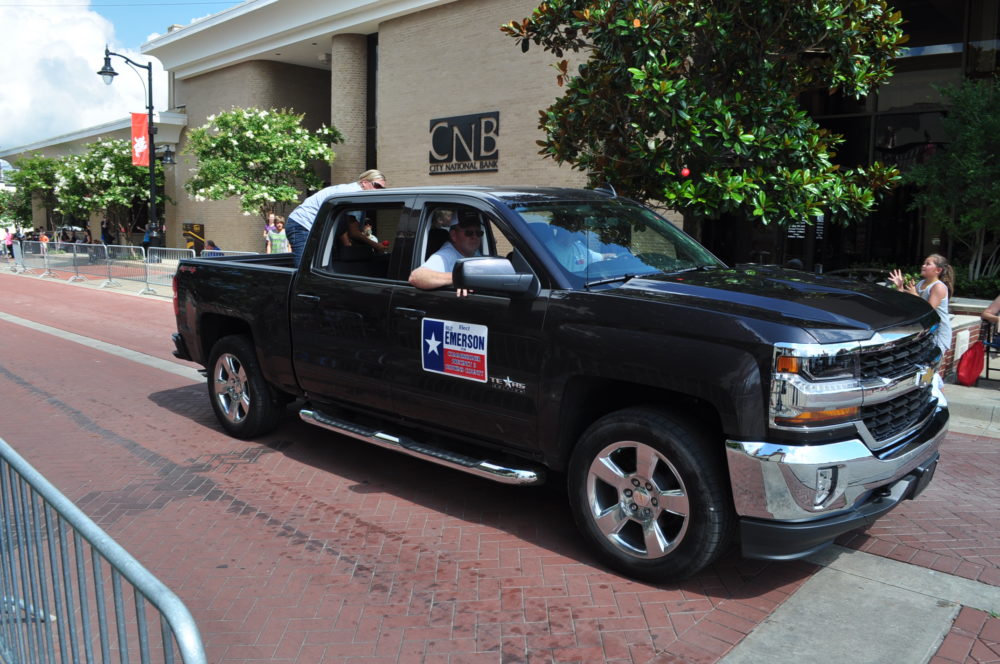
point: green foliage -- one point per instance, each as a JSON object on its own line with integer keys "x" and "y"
{"x": 959, "y": 186}
{"x": 15, "y": 208}
{"x": 103, "y": 179}
{"x": 35, "y": 177}
{"x": 713, "y": 86}
{"x": 983, "y": 288}
{"x": 263, "y": 157}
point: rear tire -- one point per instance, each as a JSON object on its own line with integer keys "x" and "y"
{"x": 242, "y": 400}
{"x": 650, "y": 494}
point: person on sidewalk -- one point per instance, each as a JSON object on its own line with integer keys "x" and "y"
{"x": 301, "y": 219}
{"x": 991, "y": 315}
{"x": 277, "y": 241}
{"x": 935, "y": 286}
{"x": 8, "y": 243}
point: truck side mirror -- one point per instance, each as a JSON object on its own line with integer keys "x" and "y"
{"x": 488, "y": 273}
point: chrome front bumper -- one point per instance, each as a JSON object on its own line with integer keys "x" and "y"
{"x": 774, "y": 489}
{"x": 781, "y": 482}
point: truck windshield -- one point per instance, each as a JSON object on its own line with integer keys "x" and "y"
{"x": 611, "y": 240}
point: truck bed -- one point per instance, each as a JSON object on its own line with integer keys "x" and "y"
{"x": 252, "y": 289}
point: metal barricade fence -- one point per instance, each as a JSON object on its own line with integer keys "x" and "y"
{"x": 112, "y": 262}
{"x": 91, "y": 260}
{"x": 18, "y": 265}
{"x": 33, "y": 255}
{"x": 124, "y": 262}
{"x": 60, "y": 257}
{"x": 161, "y": 264}
{"x": 209, "y": 253}
{"x": 64, "y": 584}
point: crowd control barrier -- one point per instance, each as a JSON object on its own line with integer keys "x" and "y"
{"x": 209, "y": 253}
{"x": 18, "y": 265}
{"x": 61, "y": 257}
{"x": 161, "y": 264}
{"x": 126, "y": 263}
{"x": 69, "y": 592}
{"x": 35, "y": 257}
{"x": 114, "y": 263}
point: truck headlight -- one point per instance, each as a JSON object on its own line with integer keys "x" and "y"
{"x": 815, "y": 385}
{"x": 842, "y": 366}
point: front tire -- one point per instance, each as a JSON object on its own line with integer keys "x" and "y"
{"x": 242, "y": 400}
{"x": 650, "y": 495}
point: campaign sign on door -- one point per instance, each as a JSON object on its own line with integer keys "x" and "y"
{"x": 454, "y": 349}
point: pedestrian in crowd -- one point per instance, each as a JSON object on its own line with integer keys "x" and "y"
{"x": 277, "y": 240}
{"x": 937, "y": 279}
{"x": 211, "y": 249}
{"x": 991, "y": 315}
{"x": 44, "y": 239}
{"x": 300, "y": 221}
{"x": 269, "y": 223}
{"x": 8, "y": 242}
{"x": 107, "y": 232}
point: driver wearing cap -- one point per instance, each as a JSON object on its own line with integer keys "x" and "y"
{"x": 465, "y": 237}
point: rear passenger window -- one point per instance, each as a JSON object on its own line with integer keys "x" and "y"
{"x": 343, "y": 252}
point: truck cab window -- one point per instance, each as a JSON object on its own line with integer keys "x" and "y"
{"x": 342, "y": 251}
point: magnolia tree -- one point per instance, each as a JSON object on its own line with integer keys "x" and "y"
{"x": 35, "y": 177}
{"x": 104, "y": 180}
{"x": 695, "y": 102}
{"x": 959, "y": 186}
{"x": 15, "y": 209}
{"x": 263, "y": 157}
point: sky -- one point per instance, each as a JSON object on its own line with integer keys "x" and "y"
{"x": 52, "y": 50}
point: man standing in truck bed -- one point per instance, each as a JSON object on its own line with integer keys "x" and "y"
{"x": 301, "y": 219}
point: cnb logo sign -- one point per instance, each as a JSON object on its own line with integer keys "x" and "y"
{"x": 465, "y": 144}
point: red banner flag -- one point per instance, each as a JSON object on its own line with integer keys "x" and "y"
{"x": 140, "y": 139}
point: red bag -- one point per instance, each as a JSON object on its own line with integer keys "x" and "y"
{"x": 970, "y": 365}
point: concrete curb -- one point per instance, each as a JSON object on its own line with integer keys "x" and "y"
{"x": 975, "y": 410}
{"x": 863, "y": 608}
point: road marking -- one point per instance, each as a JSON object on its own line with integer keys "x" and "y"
{"x": 111, "y": 349}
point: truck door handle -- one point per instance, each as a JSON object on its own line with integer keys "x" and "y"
{"x": 308, "y": 297}
{"x": 410, "y": 314}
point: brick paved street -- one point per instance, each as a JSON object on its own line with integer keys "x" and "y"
{"x": 308, "y": 547}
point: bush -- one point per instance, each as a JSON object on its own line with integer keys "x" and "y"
{"x": 985, "y": 288}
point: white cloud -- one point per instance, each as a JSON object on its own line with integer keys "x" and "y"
{"x": 49, "y": 74}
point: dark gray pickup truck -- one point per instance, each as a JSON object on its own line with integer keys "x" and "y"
{"x": 686, "y": 404}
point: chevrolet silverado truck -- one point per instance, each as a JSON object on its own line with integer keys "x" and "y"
{"x": 685, "y": 404}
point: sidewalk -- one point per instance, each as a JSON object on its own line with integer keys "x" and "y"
{"x": 976, "y": 410}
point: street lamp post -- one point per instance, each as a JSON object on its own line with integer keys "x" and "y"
{"x": 108, "y": 73}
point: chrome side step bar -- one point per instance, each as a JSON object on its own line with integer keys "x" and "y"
{"x": 473, "y": 466}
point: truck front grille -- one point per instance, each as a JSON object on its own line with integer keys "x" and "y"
{"x": 891, "y": 418}
{"x": 899, "y": 360}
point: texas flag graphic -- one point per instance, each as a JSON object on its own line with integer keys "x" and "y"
{"x": 454, "y": 349}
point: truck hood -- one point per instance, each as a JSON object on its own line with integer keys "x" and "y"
{"x": 831, "y": 309}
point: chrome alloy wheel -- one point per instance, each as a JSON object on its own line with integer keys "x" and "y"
{"x": 638, "y": 500}
{"x": 231, "y": 389}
